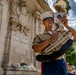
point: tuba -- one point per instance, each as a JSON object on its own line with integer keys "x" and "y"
{"x": 57, "y": 43}
{"x": 55, "y": 46}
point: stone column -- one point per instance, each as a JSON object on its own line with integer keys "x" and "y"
{"x": 4, "y": 19}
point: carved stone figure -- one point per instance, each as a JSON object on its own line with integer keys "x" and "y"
{"x": 19, "y": 16}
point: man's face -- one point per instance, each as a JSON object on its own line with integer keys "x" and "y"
{"x": 48, "y": 23}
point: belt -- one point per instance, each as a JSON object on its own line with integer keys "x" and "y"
{"x": 59, "y": 58}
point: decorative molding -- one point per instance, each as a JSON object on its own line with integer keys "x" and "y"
{"x": 38, "y": 6}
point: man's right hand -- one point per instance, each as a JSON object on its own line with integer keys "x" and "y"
{"x": 55, "y": 35}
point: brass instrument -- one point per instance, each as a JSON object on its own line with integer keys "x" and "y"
{"x": 57, "y": 43}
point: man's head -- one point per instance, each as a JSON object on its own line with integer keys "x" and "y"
{"x": 46, "y": 15}
{"x": 47, "y": 18}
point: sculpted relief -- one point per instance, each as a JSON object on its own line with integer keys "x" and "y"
{"x": 19, "y": 16}
{"x": 19, "y": 50}
{"x": 19, "y": 21}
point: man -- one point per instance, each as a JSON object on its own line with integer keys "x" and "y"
{"x": 57, "y": 66}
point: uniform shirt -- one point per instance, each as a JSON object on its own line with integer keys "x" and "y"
{"x": 43, "y": 37}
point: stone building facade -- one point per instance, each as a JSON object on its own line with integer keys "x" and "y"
{"x": 19, "y": 23}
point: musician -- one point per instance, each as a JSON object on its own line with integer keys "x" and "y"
{"x": 57, "y": 66}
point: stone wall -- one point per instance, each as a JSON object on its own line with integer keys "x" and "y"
{"x": 18, "y": 27}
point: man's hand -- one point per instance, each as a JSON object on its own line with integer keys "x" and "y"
{"x": 64, "y": 20}
{"x": 55, "y": 35}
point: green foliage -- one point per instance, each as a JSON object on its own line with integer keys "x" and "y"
{"x": 71, "y": 55}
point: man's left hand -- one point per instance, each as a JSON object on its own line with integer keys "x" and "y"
{"x": 64, "y": 20}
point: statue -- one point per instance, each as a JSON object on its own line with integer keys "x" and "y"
{"x": 19, "y": 16}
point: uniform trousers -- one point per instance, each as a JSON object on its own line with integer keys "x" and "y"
{"x": 55, "y": 67}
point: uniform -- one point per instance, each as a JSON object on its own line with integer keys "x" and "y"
{"x": 55, "y": 67}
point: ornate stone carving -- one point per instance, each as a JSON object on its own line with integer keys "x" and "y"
{"x": 19, "y": 16}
